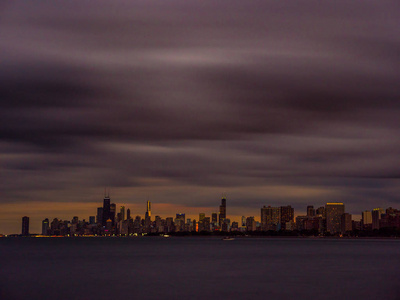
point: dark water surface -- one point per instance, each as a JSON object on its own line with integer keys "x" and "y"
{"x": 198, "y": 268}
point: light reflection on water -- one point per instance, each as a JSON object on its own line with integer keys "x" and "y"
{"x": 199, "y": 268}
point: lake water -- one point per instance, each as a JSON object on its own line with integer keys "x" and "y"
{"x": 198, "y": 268}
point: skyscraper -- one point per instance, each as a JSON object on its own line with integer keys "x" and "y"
{"x": 270, "y": 218}
{"x": 147, "y": 217}
{"x": 128, "y": 214}
{"x": 222, "y": 211}
{"x": 310, "y": 211}
{"x": 181, "y": 216}
{"x": 376, "y": 216}
{"x": 122, "y": 212}
{"x": 334, "y": 212}
{"x": 346, "y": 223}
{"x": 265, "y": 216}
{"x": 201, "y": 216}
{"x": 206, "y": 223}
{"x": 250, "y": 224}
{"x": 287, "y": 215}
{"x": 25, "y": 226}
{"x": 106, "y": 210}
{"x": 366, "y": 218}
{"x": 99, "y": 218}
{"x": 45, "y": 226}
{"x": 149, "y": 209}
{"x": 321, "y": 212}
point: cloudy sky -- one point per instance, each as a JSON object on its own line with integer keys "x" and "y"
{"x": 178, "y": 102}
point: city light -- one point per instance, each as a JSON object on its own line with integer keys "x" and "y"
{"x": 328, "y": 220}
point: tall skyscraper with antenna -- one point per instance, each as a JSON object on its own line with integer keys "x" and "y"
{"x": 106, "y": 208}
{"x": 147, "y": 219}
{"x": 222, "y": 211}
{"x": 148, "y": 212}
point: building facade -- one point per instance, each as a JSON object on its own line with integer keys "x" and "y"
{"x": 45, "y": 226}
{"x": 106, "y": 210}
{"x": 346, "y": 223}
{"x": 287, "y": 215}
{"x": 25, "y": 226}
{"x": 270, "y": 218}
{"x": 376, "y": 216}
{"x": 222, "y": 211}
{"x": 334, "y": 212}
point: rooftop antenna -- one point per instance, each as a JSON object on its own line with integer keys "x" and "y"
{"x": 106, "y": 195}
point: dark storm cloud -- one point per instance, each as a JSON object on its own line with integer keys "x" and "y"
{"x": 241, "y": 95}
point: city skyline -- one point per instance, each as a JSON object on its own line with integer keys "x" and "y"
{"x": 36, "y": 216}
{"x": 333, "y": 215}
{"x": 177, "y": 102}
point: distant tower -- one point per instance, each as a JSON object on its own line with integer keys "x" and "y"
{"x": 149, "y": 209}
{"x": 201, "y": 216}
{"x": 346, "y": 223}
{"x": 106, "y": 209}
{"x": 376, "y": 216}
{"x": 45, "y": 226}
{"x": 250, "y": 224}
{"x": 180, "y": 221}
{"x": 222, "y": 211}
{"x": 334, "y": 212}
{"x": 310, "y": 211}
{"x": 122, "y": 211}
{"x": 366, "y": 218}
{"x": 181, "y": 216}
{"x": 147, "y": 218}
{"x": 25, "y": 226}
{"x": 128, "y": 214}
{"x": 99, "y": 217}
{"x": 321, "y": 212}
{"x": 207, "y": 223}
{"x": 287, "y": 215}
{"x": 270, "y": 218}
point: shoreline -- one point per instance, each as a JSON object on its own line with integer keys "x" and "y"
{"x": 210, "y": 237}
